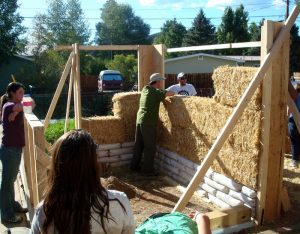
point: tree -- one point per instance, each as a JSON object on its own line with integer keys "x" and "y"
{"x": 127, "y": 65}
{"x": 234, "y": 28}
{"x": 63, "y": 24}
{"x": 202, "y": 31}
{"x": 171, "y": 34}
{"x": 10, "y": 30}
{"x": 119, "y": 25}
{"x": 254, "y": 33}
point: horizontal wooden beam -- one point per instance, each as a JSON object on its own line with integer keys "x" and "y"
{"x": 99, "y": 47}
{"x": 229, "y": 217}
{"x": 216, "y": 47}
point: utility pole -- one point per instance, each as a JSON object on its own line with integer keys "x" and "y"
{"x": 287, "y": 8}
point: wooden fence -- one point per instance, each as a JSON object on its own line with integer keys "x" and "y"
{"x": 35, "y": 161}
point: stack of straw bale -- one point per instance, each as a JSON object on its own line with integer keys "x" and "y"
{"x": 231, "y": 82}
{"x": 125, "y": 106}
{"x": 106, "y": 129}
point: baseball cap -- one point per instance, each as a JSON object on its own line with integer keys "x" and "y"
{"x": 156, "y": 77}
{"x": 180, "y": 75}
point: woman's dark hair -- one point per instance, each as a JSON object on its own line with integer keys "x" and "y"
{"x": 11, "y": 88}
{"x": 74, "y": 185}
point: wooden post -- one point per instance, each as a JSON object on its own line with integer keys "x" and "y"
{"x": 274, "y": 101}
{"x": 238, "y": 111}
{"x": 71, "y": 81}
{"x": 77, "y": 91}
{"x": 150, "y": 60}
{"x": 58, "y": 91}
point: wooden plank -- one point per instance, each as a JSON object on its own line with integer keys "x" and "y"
{"x": 294, "y": 111}
{"x": 228, "y": 217}
{"x": 267, "y": 42}
{"x": 99, "y": 47}
{"x": 69, "y": 94}
{"x": 58, "y": 91}
{"x": 27, "y": 168}
{"x": 216, "y": 47}
{"x": 238, "y": 111}
{"x": 285, "y": 200}
{"x": 150, "y": 60}
{"x": 78, "y": 85}
{"x": 38, "y": 141}
{"x": 43, "y": 158}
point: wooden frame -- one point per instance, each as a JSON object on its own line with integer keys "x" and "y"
{"x": 273, "y": 72}
{"x": 227, "y": 129}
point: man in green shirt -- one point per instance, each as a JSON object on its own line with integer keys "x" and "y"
{"x": 146, "y": 122}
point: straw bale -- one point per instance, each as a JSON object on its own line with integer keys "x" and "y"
{"x": 125, "y": 106}
{"x": 190, "y": 125}
{"x": 85, "y": 124}
{"x": 107, "y": 129}
{"x": 231, "y": 82}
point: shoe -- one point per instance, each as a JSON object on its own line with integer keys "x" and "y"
{"x": 293, "y": 164}
{"x": 151, "y": 173}
{"x": 14, "y": 219}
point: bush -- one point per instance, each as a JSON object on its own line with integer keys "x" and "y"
{"x": 56, "y": 130}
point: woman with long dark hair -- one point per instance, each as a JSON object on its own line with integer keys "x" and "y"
{"x": 13, "y": 141}
{"x": 75, "y": 201}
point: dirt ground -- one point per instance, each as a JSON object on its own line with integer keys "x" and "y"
{"x": 149, "y": 195}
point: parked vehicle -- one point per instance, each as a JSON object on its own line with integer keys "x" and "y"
{"x": 110, "y": 80}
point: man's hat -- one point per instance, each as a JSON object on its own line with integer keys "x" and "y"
{"x": 156, "y": 77}
{"x": 180, "y": 75}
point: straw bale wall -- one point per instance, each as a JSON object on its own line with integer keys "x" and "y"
{"x": 231, "y": 82}
{"x": 125, "y": 106}
{"x": 105, "y": 129}
{"x": 188, "y": 126}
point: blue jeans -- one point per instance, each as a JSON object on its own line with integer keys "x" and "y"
{"x": 10, "y": 158}
{"x": 295, "y": 139}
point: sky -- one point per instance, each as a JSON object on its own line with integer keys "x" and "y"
{"x": 156, "y": 12}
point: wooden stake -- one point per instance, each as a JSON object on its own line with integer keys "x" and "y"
{"x": 71, "y": 81}
{"x": 58, "y": 91}
{"x": 238, "y": 111}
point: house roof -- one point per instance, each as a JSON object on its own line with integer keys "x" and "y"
{"x": 206, "y": 55}
{"x": 245, "y": 57}
{"x": 24, "y": 57}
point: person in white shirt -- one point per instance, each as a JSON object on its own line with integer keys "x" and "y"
{"x": 75, "y": 201}
{"x": 183, "y": 88}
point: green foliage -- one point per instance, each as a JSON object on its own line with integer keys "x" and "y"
{"x": 201, "y": 33}
{"x": 127, "y": 65}
{"x": 56, "y": 130}
{"x": 254, "y": 32}
{"x": 63, "y": 24}
{"x": 46, "y": 72}
{"x": 91, "y": 65}
{"x": 10, "y": 30}
{"x": 171, "y": 35}
{"x": 119, "y": 25}
{"x": 234, "y": 28}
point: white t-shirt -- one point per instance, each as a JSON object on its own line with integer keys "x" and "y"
{"x": 122, "y": 223}
{"x": 187, "y": 90}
